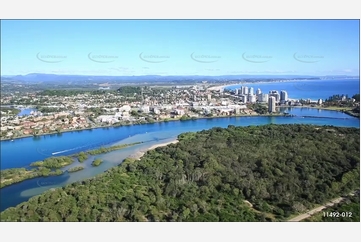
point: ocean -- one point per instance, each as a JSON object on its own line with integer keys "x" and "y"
{"x": 312, "y": 89}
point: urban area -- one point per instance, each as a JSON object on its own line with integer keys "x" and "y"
{"x": 56, "y": 111}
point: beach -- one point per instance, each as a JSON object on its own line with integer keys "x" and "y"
{"x": 217, "y": 88}
{"x": 140, "y": 153}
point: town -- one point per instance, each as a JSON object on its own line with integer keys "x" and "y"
{"x": 57, "y": 111}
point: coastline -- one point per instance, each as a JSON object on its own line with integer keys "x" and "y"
{"x": 217, "y": 88}
{"x": 139, "y": 154}
{"x": 115, "y": 126}
{"x": 177, "y": 120}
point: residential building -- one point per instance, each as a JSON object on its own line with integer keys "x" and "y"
{"x": 284, "y": 96}
{"x": 275, "y": 94}
{"x": 243, "y": 98}
{"x": 245, "y": 91}
{"x": 263, "y": 98}
{"x": 272, "y": 104}
{"x": 144, "y": 109}
{"x": 252, "y": 98}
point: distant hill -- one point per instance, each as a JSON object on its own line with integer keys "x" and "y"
{"x": 40, "y": 77}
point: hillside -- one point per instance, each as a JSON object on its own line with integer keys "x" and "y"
{"x": 255, "y": 173}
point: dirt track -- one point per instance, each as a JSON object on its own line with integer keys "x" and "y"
{"x": 316, "y": 210}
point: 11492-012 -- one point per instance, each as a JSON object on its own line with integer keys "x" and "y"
{"x": 337, "y": 214}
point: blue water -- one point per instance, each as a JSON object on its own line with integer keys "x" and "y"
{"x": 312, "y": 89}
{"x": 26, "y": 111}
{"x": 22, "y": 152}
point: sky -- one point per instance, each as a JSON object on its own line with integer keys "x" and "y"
{"x": 180, "y": 47}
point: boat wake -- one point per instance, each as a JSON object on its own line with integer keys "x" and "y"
{"x": 64, "y": 151}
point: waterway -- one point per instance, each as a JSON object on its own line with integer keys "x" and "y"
{"x": 21, "y": 152}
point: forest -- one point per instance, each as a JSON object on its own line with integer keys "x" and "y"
{"x": 236, "y": 174}
{"x": 346, "y": 211}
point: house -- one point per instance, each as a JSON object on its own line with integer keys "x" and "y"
{"x": 179, "y": 111}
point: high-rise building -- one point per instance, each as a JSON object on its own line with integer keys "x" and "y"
{"x": 251, "y": 98}
{"x": 251, "y": 90}
{"x": 209, "y": 97}
{"x": 244, "y": 98}
{"x": 272, "y": 104}
{"x": 258, "y": 92}
{"x": 236, "y": 91}
{"x": 262, "y": 97}
{"x": 275, "y": 94}
{"x": 284, "y": 96}
{"x": 319, "y": 102}
{"x": 245, "y": 90}
{"x": 242, "y": 89}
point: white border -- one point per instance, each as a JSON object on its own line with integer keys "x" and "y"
{"x": 165, "y": 9}
{"x": 186, "y": 9}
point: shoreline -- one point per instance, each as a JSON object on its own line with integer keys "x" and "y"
{"x": 117, "y": 126}
{"x": 218, "y": 87}
{"x": 171, "y": 120}
{"x": 139, "y": 154}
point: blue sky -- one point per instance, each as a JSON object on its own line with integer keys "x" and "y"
{"x": 180, "y": 47}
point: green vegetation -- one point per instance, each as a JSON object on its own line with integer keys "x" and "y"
{"x": 97, "y": 162}
{"x": 255, "y": 173}
{"x": 356, "y": 97}
{"x": 184, "y": 118}
{"x": 49, "y": 109}
{"x": 71, "y": 92}
{"x": 259, "y": 108}
{"x": 15, "y": 175}
{"x": 347, "y": 211}
{"x": 54, "y": 162}
{"x": 82, "y": 157}
{"x": 10, "y": 111}
{"x": 354, "y": 112}
{"x": 96, "y": 111}
{"x": 129, "y": 90}
{"x": 46, "y": 167}
{"x": 338, "y": 101}
{"x": 109, "y": 149}
{"x": 75, "y": 169}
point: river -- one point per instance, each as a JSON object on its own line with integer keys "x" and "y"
{"x": 21, "y": 152}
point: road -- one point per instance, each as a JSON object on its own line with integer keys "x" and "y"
{"x": 316, "y": 210}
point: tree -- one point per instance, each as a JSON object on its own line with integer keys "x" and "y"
{"x": 356, "y": 97}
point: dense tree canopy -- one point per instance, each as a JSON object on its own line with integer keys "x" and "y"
{"x": 255, "y": 173}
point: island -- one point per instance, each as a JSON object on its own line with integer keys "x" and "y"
{"x": 75, "y": 169}
{"x": 51, "y": 166}
{"x": 240, "y": 174}
{"x": 15, "y": 175}
{"x": 97, "y": 162}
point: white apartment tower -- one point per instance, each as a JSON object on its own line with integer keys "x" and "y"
{"x": 272, "y": 104}
{"x": 245, "y": 90}
{"x": 263, "y": 97}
